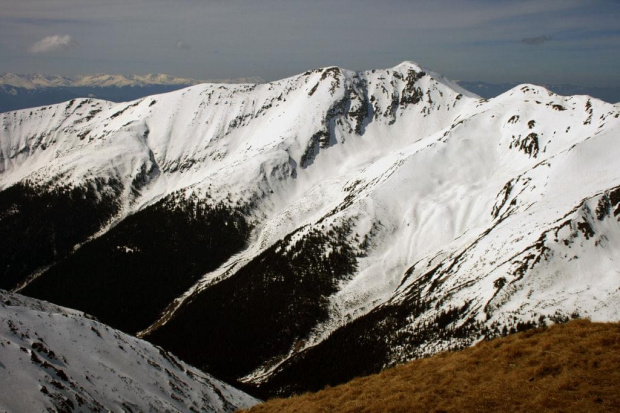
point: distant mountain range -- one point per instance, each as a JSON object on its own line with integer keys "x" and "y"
{"x": 33, "y": 90}
{"x": 491, "y": 90}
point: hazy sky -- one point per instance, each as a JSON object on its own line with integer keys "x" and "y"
{"x": 538, "y": 41}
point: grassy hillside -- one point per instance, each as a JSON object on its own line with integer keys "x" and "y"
{"x": 574, "y": 367}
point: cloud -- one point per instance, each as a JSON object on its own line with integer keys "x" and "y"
{"x": 53, "y": 43}
{"x": 180, "y": 44}
{"x": 535, "y": 41}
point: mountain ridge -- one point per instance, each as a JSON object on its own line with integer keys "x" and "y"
{"x": 491, "y": 90}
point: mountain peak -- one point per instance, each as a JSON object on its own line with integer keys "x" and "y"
{"x": 532, "y": 89}
{"x": 410, "y": 64}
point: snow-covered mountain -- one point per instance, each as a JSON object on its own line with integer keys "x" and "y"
{"x": 56, "y": 359}
{"x": 317, "y": 228}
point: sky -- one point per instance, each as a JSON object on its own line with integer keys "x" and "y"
{"x": 534, "y": 41}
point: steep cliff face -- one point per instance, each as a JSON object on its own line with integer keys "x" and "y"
{"x": 319, "y": 227}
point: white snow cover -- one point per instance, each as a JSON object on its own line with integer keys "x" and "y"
{"x": 56, "y": 359}
{"x": 489, "y": 201}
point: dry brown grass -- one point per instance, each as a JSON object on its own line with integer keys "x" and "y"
{"x": 573, "y": 367}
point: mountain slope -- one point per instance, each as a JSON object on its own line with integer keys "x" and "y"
{"x": 571, "y": 367}
{"x": 324, "y": 226}
{"x": 59, "y": 359}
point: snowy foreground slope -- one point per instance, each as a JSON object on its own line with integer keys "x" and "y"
{"x": 306, "y": 231}
{"x": 55, "y": 358}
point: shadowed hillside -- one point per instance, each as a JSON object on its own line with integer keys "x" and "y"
{"x": 568, "y": 367}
